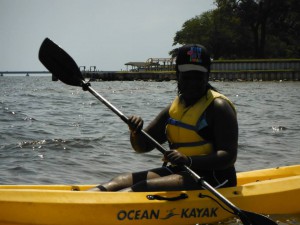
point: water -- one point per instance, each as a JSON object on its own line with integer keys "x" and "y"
{"x": 52, "y": 133}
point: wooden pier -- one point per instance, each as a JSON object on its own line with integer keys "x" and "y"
{"x": 286, "y": 75}
{"x": 130, "y": 76}
{"x": 221, "y": 70}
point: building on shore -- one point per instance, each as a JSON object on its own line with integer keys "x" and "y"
{"x": 152, "y": 64}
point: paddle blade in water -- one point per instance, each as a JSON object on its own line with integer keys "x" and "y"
{"x": 60, "y": 63}
{"x": 256, "y": 219}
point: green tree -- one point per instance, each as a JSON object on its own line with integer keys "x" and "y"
{"x": 255, "y": 14}
{"x": 226, "y": 31}
{"x": 195, "y": 30}
{"x": 284, "y": 31}
{"x": 213, "y": 30}
{"x": 246, "y": 29}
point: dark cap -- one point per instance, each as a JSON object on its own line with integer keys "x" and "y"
{"x": 193, "y": 57}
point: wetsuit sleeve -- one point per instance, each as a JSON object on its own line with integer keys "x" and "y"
{"x": 155, "y": 129}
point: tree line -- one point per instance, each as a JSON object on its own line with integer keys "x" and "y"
{"x": 247, "y": 29}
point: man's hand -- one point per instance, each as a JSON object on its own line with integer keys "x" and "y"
{"x": 177, "y": 158}
{"x": 135, "y": 124}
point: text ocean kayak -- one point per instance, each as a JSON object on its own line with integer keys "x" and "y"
{"x": 268, "y": 191}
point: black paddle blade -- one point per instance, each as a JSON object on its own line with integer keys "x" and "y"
{"x": 256, "y": 219}
{"x": 60, "y": 63}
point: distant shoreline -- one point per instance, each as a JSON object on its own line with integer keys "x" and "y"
{"x": 221, "y": 70}
{"x": 246, "y": 75}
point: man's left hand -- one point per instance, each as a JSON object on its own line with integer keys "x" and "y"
{"x": 177, "y": 158}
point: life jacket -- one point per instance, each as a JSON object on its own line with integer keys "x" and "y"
{"x": 185, "y": 123}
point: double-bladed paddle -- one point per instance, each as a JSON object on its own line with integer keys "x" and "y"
{"x": 62, "y": 66}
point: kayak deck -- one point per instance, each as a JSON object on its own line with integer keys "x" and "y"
{"x": 242, "y": 178}
{"x": 268, "y": 191}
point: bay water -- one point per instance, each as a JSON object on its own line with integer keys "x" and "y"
{"x": 52, "y": 133}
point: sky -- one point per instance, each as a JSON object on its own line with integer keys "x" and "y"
{"x": 102, "y": 33}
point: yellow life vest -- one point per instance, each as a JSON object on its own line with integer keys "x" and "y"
{"x": 185, "y": 122}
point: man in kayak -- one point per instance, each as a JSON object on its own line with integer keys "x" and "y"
{"x": 201, "y": 129}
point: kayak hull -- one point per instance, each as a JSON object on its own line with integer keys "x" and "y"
{"x": 269, "y": 191}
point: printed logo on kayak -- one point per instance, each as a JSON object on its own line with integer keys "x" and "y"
{"x": 152, "y": 214}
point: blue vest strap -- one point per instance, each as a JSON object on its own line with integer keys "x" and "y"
{"x": 187, "y": 144}
{"x": 200, "y": 124}
{"x": 181, "y": 124}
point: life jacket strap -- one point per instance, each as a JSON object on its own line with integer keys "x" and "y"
{"x": 200, "y": 124}
{"x": 187, "y": 144}
{"x": 181, "y": 124}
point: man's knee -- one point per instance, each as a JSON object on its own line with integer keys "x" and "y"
{"x": 120, "y": 182}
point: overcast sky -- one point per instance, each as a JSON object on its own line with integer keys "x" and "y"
{"x": 102, "y": 33}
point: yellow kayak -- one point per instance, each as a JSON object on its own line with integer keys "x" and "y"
{"x": 268, "y": 191}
